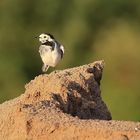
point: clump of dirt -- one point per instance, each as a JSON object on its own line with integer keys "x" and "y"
{"x": 65, "y": 105}
{"x": 75, "y": 91}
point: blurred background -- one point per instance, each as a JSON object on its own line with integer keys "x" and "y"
{"x": 89, "y": 30}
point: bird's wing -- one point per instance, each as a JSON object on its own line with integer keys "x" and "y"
{"x": 62, "y": 50}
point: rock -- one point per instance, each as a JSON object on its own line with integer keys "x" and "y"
{"x": 61, "y": 105}
{"x": 74, "y": 91}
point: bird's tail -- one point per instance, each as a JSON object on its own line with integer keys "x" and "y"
{"x": 45, "y": 68}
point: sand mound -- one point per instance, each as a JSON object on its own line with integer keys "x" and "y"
{"x": 62, "y": 106}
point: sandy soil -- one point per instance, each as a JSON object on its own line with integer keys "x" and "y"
{"x": 64, "y": 105}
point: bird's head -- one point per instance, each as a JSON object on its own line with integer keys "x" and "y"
{"x": 44, "y": 37}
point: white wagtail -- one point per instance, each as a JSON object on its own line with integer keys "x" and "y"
{"x": 50, "y": 50}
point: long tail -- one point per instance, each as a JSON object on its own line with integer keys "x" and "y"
{"x": 45, "y": 68}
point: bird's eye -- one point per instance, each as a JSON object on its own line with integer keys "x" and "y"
{"x": 44, "y": 36}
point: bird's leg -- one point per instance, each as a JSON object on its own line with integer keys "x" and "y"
{"x": 45, "y": 68}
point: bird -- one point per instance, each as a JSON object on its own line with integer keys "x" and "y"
{"x": 51, "y": 51}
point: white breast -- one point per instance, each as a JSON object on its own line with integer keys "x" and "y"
{"x": 49, "y": 57}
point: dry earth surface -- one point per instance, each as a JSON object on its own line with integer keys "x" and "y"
{"x": 64, "y": 105}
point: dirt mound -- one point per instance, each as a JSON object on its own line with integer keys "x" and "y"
{"x": 62, "y": 106}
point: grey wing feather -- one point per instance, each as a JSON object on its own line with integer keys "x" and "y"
{"x": 62, "y": 51}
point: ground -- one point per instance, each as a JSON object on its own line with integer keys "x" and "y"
{"x": 64, "y": 105}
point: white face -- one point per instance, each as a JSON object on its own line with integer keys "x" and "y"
{"x": 44, "y": 38}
